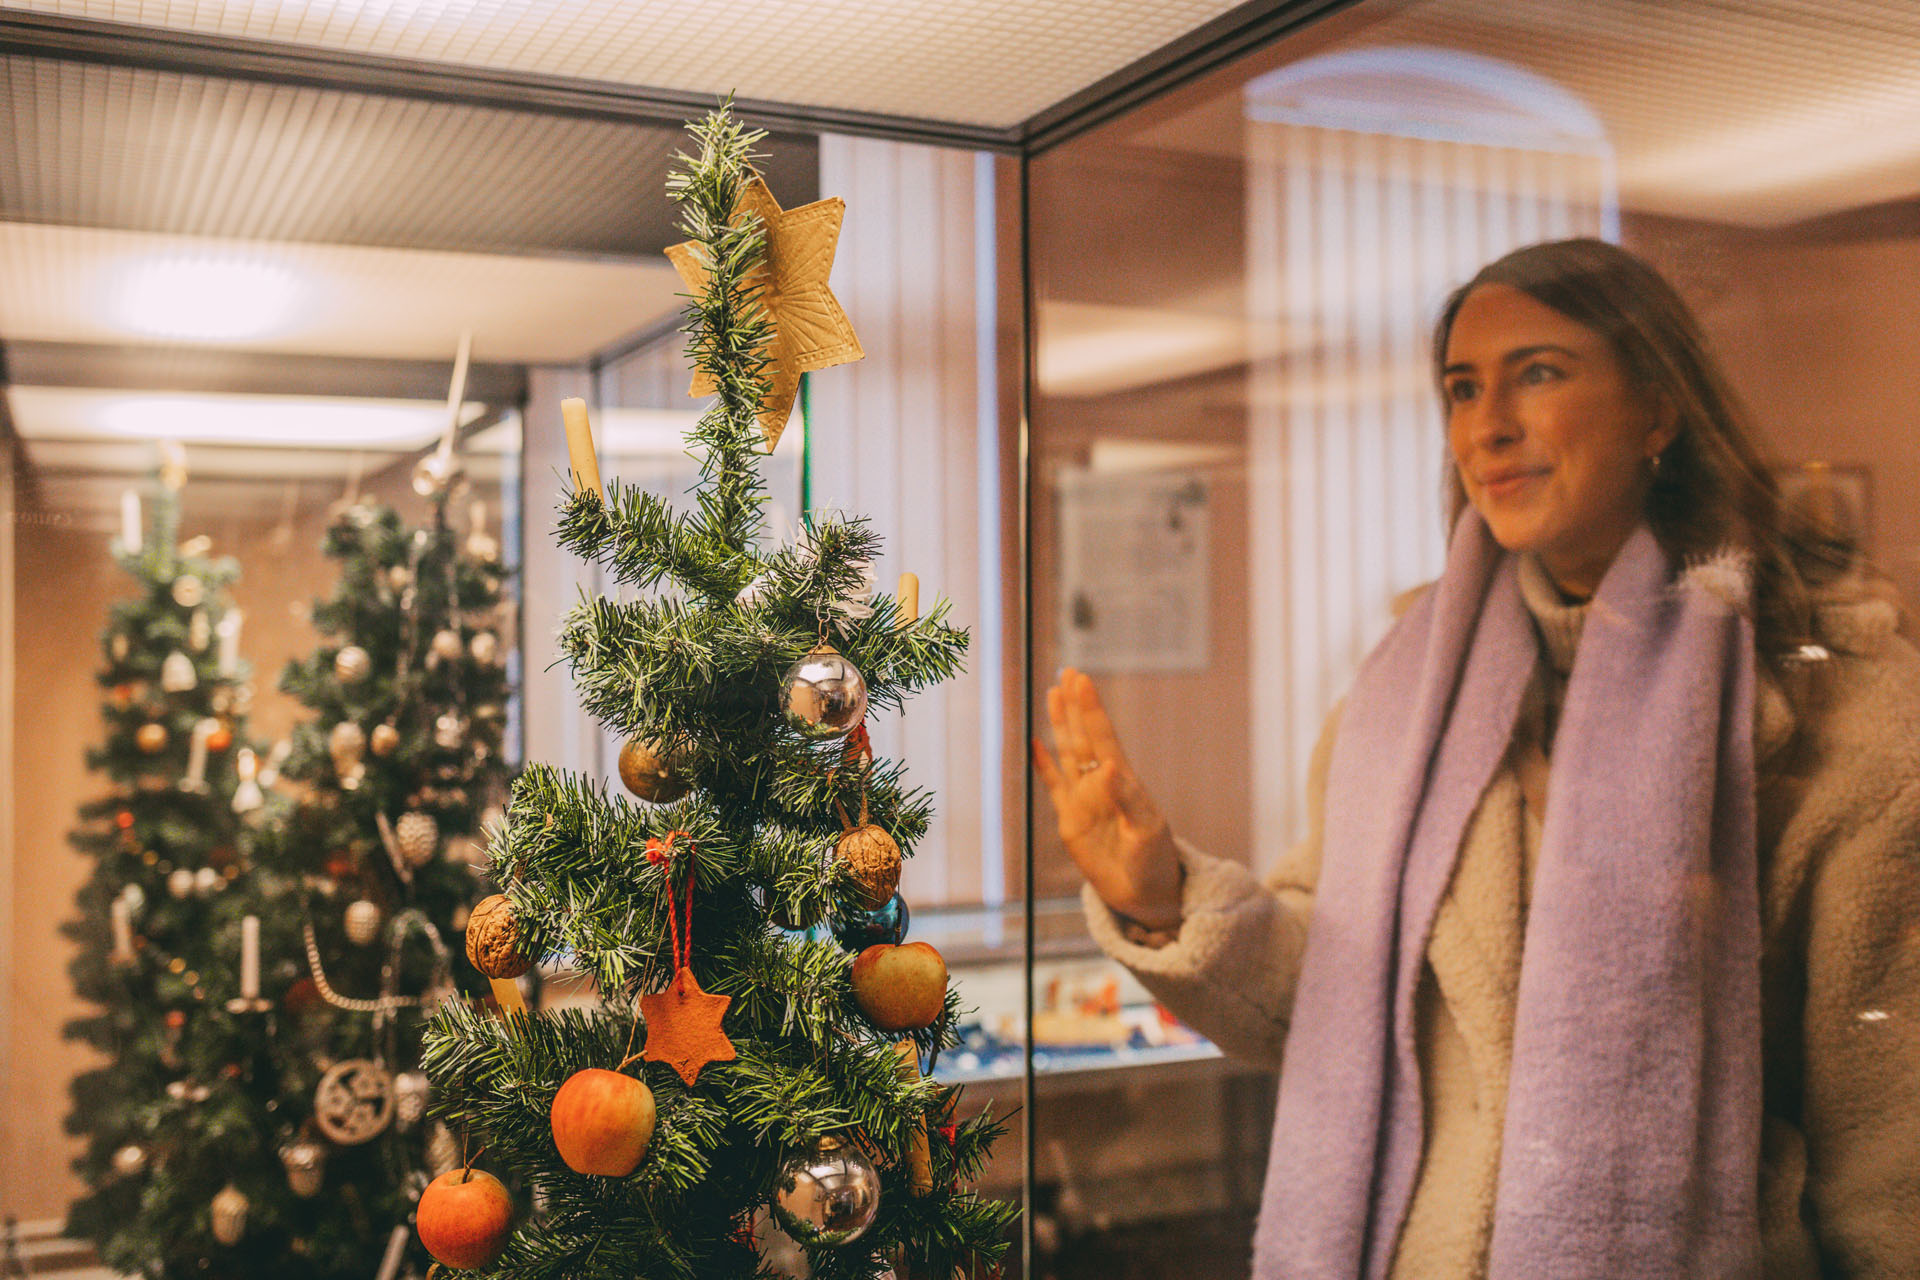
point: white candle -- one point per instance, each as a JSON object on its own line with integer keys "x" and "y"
{"x": 196, "y": 779}
{"x": 250, "y": 957}
{"x": 586, "y": 467}
{"x": 130, "y": 522}
{"x": 122, "y": 929}
{"x": 229, "y": 630}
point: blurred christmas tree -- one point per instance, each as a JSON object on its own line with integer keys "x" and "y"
{"x": 738, "y": 1062}
{"x": 172, "y": 1119}
{"x": 372, "y": 861}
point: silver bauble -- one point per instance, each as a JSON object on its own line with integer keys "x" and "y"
{"x": 177, "y": 674}
{"x": 446, "y": 644}
{"x": 306, "y": 1163}
{"x": 485, "y": 647}
{"x": 449, "y": 732}
{"x": 409, "y": 1099}
{"x": 346, "y": 743}
{"x": 230, "y": 1215}
{"x": 436, "y": 474}
{"x": 824, "y": 695}
{"x": 383, "y": 740}
{"x": 352, "y": 665}
{"x": 399, "y": 577}
{"x": 418, "y": 836}
{"x": 363, "y": 922}
{"x": 827, "y": 1193}
{"x": 135, "y": 896}
{"x": 188, "y": 591}
{"x": 180, "y": 882}
{"x": 130, "y": 1161}
{"x": 207, "y": 882}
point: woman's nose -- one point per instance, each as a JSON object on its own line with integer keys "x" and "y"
{"x": 1491, "y": 423}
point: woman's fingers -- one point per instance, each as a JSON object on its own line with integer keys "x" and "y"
{"x": 1067, "y": 738}
{"x": 1091, "y": 721}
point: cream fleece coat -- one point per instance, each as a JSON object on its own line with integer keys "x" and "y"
{"x": 1839, "y": 817}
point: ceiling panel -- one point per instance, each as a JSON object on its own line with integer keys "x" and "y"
{"x": 985, "y": 62}
{"x": 1759, "y": 114}
{"x": 98, "y": 146}
{"x": 82, "y": 285}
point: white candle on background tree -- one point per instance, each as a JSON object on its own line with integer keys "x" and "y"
{"x": 229, "y": 630}
{"x": 250, "y": 958}
{"x": 196, "y": 779}
{"x": 130, "y": 522}
{"x": 122, "y": 929}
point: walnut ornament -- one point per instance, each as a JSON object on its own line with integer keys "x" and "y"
{"x": 873, "y": 858}
{"x": 493, "y": 939}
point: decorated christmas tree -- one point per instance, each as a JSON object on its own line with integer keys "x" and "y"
{"x": 749, "y": 1096}
{"x": 168, "y": 940}
{"x": 371, "y": 862}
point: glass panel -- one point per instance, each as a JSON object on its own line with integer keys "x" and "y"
{"x": 1239, "y": 467}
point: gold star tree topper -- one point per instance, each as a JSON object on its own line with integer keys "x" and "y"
{"x": 810, "y": 330}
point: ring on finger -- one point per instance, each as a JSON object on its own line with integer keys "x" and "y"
{"x": 1088, "y": 766}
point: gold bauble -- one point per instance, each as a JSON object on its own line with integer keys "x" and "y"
{"x": 874, "y": 859}
{"x": 650, "y": 775}
{"x": 383, "y": 740}
{"x": 151, "y": 738}
{"x": 352, "y": 665}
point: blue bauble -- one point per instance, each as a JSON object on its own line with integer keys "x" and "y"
{"x": 858, "y": 930}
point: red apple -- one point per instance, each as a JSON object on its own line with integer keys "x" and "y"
{"x": 465, "y": 1217}
{"x": 900, "y": 988}
{"x": 602, "y": 1122}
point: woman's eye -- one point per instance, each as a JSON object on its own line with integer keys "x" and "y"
{"x": 1460, "y": 391}
{"x": 1537, "y": 373}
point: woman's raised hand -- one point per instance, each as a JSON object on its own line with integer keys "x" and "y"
{"x": 1108, "y": 822}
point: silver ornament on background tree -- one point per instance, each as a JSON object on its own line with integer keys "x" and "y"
{"x": 409, "y": 1099}
{"x": 177, "y": 674}
{"x": 207, "y": 882}
{"x": 449, "y": 732}
{"x": 180, "y": 882}
{"x": 363, "y": 922}
{"x": 418, "y": 836}
{"x": 230, "y": 1215}
{"x": 826, "y": 1193}
{"x": 352, "y": 665}
{"x": 399, "y": 578}
{"x": 306, "y": 1163}
{"x": 120, "y": 646}
{"x": 347, "y": 744}
{"x": 130, "y": 1161}
{"x": 824, "y": 695}
{"x": 446, "y": 645}
{"x": 485, "y": 647}
{"x": 383, "y": 740}
{"x": 188, "y": 591}
{"x": 354, "y": 1102}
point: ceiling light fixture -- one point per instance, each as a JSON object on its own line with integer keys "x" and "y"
{"x": 199, "y": 298}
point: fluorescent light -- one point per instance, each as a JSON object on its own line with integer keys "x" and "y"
{"x": 198, "y": 297}
{"x": 312, "y": 422}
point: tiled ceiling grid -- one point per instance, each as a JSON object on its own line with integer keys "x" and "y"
{"x": 99, "y": 146}
{"x": 993, "y": 63}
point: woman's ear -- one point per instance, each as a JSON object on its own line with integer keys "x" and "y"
{"x": 1666, "y": 426}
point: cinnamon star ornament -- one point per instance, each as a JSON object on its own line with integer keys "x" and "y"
{"x": 683, "y": 1027}
{"x": 810, "y": 330}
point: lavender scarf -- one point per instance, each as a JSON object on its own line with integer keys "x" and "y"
{"x": 1632, "y": 1137}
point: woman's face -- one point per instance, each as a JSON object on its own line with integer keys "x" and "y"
{"x": 1551, "y": 439}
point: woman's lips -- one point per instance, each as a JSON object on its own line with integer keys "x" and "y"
{"x": 1504, "y": 484}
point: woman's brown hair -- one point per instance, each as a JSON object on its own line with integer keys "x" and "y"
{"x": 1712, "y": 490}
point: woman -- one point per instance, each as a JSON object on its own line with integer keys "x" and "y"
{"x": 1633, "y": 734}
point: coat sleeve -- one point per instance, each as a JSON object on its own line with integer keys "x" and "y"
{"x": 1862, "y": 1043}
{"x": 1231, "y": 971}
